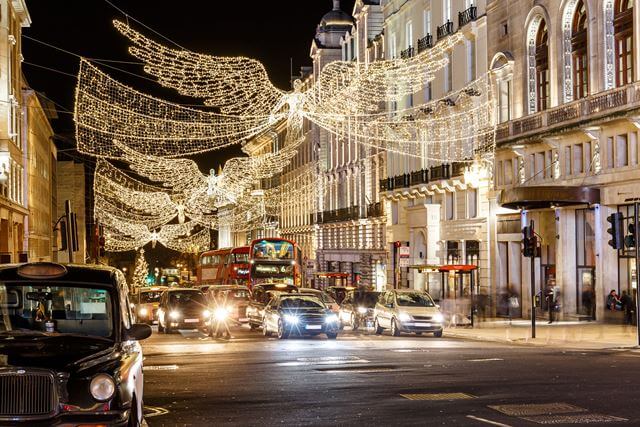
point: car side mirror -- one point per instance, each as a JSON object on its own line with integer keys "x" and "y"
{"x": 437, "y": 305}
{"x": 138, "y": 332}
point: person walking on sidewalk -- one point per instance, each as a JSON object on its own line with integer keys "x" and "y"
{"x": 628, "y": 307}
{"x": 512, "y": 302}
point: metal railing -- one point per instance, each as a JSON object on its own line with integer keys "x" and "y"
{"x": 423, "y": 176}
{"x": 471, "y": 14}
{"x": 407, "y": 53}
{"x": 425, "y": 43}
{"x": 445, "y": 30}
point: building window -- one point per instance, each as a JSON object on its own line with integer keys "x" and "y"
{"x": 446, "y": 10}
{"x": 576, "y": 162}
{"x": 542, "y": 67}
{"x": 409, "y": 35}
{"x": 472, "y": 203}
{"x": 472, "y": 252}
{"x": 471, "y": 60}
{"x": 508, "y": 172}
{"x": 449, "y": 205}
{"x": 504, "y": 100}
{"x": 622, "y": 152}
{"x": 623, "y": 28}
{"x": 395, "y": 212}
{"x": 392, "y": 46}
{"x": 610, "y": 163}
{"x": 579, "y": 58}
{"x": 427, "y": 23}
{"x": 448, "y": 75}
{"x": 453, "y": 252}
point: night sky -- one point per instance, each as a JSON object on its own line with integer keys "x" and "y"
{"x": 270, "y": 31}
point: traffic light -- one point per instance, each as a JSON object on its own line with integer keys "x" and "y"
{"x": 529, "y": 241}
{"x": 397, "y": 243}
{"x": 630, "y": 239}
{"x": 616, "y": 231}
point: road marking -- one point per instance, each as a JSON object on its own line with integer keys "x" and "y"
{"x": 437, "y": 396}
{"x": 575, "y": 419}
{"x": 532, "y": 409}
{"x": 494, "y": 359}
{"x": 154, "y": 411}
{"x": 160, "y": 368}
{"x": 486, "y": 421}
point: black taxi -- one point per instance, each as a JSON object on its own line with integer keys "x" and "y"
{"x": 69, "y": 352}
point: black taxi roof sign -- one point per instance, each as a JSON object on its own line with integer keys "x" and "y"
{"x": 41, "y": 270}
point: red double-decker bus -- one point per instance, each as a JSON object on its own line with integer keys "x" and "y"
{"x": 274, "y": 259}
{"x": 212, "y": 267}
{"x": 239, "y": 269}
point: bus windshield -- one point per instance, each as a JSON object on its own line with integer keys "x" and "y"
{"x": 241, "y": 258}
{"x": 273, "y": 250}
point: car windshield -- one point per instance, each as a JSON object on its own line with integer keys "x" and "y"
{"x": 301, "y": 302}
{"x": 414, "y": 300}
{"x": 149, "y": 297}
{"x": 55, "y": 308}
{"x": 366, "y": 299}
{"x": 182, "y": 298}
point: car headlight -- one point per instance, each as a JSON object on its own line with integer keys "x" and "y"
{"x": 438, "y": 317}
{"x": 206, "y": 314}
{"x": 331, "y": 318}
{"x": 221, "y": 313}
{"x": 143, "y": 311}
{"x": 290, "y": 318}
{"x": 362, "y": 310}
{"x": 174, "y": 315}
{"x": 102, "y": 387}
{"x": 404, "y": 317}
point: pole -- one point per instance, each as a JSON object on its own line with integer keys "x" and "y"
{"x": 637, "y": 236}
{"x": 67, "y": 216}
{"x": 533, "y": 282}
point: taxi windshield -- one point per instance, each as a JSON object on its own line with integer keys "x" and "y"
{"x": 149, "y": 297}
{"x": 301, "y": 302}
{"x": 55, "y": 309}
{"x": 414, "y": 300}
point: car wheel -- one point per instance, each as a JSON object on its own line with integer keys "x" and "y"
{"x": 282, "y": 334}
{"x": 253, "y": 326}
{"x": 160, "y": 328}
{"x": 354, "y": 322}
{"x": 394, "y": 328}
{"x": 134, "y": 419}
{"x": 377, "y": 327}
{"x": 438, "y": 334}
{"x": 332, "y": 335}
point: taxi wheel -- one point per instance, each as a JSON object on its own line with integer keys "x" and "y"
{"x": 354, "y": 322}
{"x": 332, "y": 335}
{"x": 282, "y": 334}
{"x": 253, "y": 326}
{"x": 377, "y": 327}
{"x": 418, "y": 333}
{"x": 133, "y": 420}
{"x": 438, "y": 334}
{"x": 394, "y": 328}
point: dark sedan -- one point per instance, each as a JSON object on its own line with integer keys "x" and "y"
{"x": 299, "y": 314}
{"x": 260, "y": 297}
{"x": 68, "y": 349}
{"x": 182, "y": 309}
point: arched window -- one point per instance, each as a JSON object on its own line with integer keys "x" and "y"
{"x": 623, "y": 28}
{"x": 579, "y": 58}
{"x": 542, "y": 66}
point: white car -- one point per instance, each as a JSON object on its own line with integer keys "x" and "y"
{"x": 407, "y": 311}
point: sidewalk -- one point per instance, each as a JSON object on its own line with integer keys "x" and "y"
{"x": 586, "y": 335}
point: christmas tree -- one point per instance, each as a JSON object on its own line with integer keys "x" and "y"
{"x": 141, "y": 271}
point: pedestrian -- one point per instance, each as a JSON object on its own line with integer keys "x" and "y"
{"x": 613, "y": 301}
{"x": 513, "y": 304}
{"x": 627, "y": 307}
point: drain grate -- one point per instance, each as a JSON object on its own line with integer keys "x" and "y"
{"x": 437, "y": 396}
{"x": 533, "y": 409}
{"x": 575, "y": 419}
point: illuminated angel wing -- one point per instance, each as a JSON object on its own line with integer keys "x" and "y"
{"x": 236, "y": 85}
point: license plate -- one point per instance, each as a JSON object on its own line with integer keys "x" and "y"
{"x": 313, "y": 327}
{"x": 191, "y": 320}
{"x": 423, "y": 324}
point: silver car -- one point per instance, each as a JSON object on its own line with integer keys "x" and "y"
{"x": 407, "y": 311}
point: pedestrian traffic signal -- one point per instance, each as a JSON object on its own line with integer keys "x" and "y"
{"x": 630, "y": 239}
{"x": 616, "y": 232}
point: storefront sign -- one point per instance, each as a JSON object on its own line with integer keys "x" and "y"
{"x": 405, "y": 253}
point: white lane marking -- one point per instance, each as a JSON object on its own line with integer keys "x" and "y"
{"x": 160, "y": 368}
{"x": 325, "y": 362}
{"x": 486, "y": 421}
{"x": 486, "y": 360}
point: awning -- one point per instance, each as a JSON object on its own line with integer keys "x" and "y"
{"x": 331, "y": 274}
{"x": 458, "y": 268}
{"x": 544, "y": 197}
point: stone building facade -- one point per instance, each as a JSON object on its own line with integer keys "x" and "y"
{"x": 568, "y": 149}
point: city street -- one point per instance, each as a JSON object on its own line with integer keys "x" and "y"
{"x": 191, "y": 379}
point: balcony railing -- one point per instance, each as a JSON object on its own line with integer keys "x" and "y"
{"x": 425, "y": 43}
{"x": 407, "y": 53}
{"x": 445, "y": 29}
{"x": 423, "y": 176}
{"x": 471, "y": 14}
{"x": 374, "y": 209}
{"x": 457, "y": 168}
{"x": 343, "y": 214}
{"x": 589, "y": 108}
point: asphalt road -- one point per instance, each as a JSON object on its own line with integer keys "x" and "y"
{"x": 364, "y": 379}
